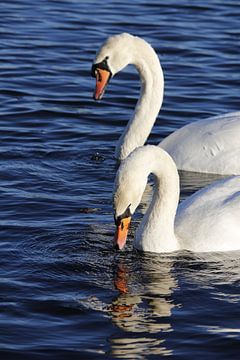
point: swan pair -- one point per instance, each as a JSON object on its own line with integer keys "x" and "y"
{"x": 206, "y": 221}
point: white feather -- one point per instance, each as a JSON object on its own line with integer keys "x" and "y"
{"x": 211, "y": 145}
{"x": 207, "y": 221}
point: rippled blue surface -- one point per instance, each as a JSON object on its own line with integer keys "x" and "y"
{"x": 64, "y": 292}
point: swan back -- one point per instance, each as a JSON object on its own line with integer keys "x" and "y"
{"x": 209, "y": 219}
{"x": 209, "y": 145}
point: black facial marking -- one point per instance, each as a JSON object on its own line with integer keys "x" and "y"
{"x": 126, "y": 214}
{"x": 101, "y": 65}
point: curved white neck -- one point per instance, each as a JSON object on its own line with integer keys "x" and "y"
{"x": 156, "y": 231}
{"x": 152, "y": 84}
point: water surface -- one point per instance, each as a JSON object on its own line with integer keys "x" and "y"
{"x": 65, "y": 292}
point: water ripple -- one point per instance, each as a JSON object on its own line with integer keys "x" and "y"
{"x": 65, "y": 291}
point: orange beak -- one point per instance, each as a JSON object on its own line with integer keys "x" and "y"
{"x": 121, "y": 233}
{"x": 102, "y": 79}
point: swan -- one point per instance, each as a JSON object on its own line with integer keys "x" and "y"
{"x": 206, "y": 221}
{"x": 210, "y": 145}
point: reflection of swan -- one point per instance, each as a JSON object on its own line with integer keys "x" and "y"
{"x": 206, "y": 221}
{"x": 144, "y": 310}
{"x": 210, "y": 145}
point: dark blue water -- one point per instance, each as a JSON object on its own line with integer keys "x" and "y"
{"x": 64, "y": 292}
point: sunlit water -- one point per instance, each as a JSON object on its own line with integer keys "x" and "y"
{"x": 64, "y": 291}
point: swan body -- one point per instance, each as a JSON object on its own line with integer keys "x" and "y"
{"x": 206, "y": 221}
{"x": 211, "y": 145}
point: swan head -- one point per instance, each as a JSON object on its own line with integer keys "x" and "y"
{"x": 130, "y": 183}
{"x": 111, "y": 58}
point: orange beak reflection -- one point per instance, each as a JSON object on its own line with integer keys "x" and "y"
{"x": 102, "y": 79}
{"x": 121, "y": 233}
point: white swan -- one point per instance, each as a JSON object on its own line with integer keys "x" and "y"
{"x": 207, "y": 221}
{"x": 211, "y": 145}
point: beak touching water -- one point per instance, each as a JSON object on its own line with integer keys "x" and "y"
{"x": 102, "y": 79}
{"x": 122, "y": 232}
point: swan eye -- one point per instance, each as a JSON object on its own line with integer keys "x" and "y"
{"x": 105, "y": 61}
